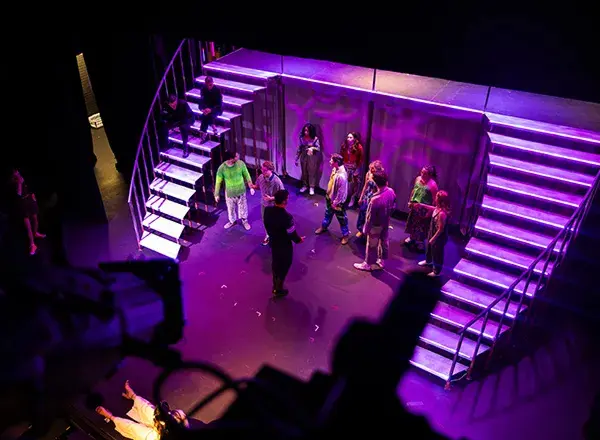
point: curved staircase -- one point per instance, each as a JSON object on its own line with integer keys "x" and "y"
{"x": 540, "y": 181}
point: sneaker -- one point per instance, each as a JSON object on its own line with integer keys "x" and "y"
{"x": 380, "y": 263}
{"x": 186, "y": 153}
{"x": 424, "y": 263}
{"x": 359, "y": 234}
{"x": 351, "y": 204}
{"x": 363, "y": 266}
{"x": 433, "y": 274}
{"x": 265, "y": 241}
{"x": 408, "y": 240}
{"x": 303, "y": 189}
{"x": 312, "y": 192}
{"x": 228, "y": 225}
{"x": 246, "y": 225}
{"x": 345, "y": 239}
{"x": 32, "y": 249}
{"x": 320, "y": 230}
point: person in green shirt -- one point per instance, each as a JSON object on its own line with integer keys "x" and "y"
{"x": 235, "y": 174}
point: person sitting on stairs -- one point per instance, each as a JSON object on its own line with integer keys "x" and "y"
{"x": 211, "y": 106}
{"x": 151, "y": 423}
{"x": 177, "y": 113}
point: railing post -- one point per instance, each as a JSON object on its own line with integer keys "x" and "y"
{"x": 189, "y": 45}
{"x": 486, "y": 316}
{"x": 174, "y": 80}
{"x": 455, "y": 358}
{"x": 182, "y": 72}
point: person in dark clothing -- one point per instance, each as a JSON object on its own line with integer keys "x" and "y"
{"x": 282, "y": 233}
{"x": 177, "y": 113}
{"x": 211, "y": 106}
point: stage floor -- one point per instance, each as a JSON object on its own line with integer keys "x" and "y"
{"x": 234, "y": 323}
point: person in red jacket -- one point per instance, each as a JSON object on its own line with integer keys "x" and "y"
{"x": 352, "y": 152}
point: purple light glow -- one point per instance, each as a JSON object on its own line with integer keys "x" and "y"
{"x": 495, "y": 283}
{"x": 503, "y": 260}
{"x": 547, "y": 153}
{"x": 516, "y": 214}
{"x": 551, "y": 176}
{"x": 510, "y": 237}
{"x": 537, "y": 196}
{"x": 471, "y": 329}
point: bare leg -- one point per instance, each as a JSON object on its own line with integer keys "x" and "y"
{"x": 35, "y": 226}
{"x": 128, "y": 394}
{"x": 104, "y": 413}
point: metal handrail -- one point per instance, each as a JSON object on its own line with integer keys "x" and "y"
{"x": 150, "y": 112}
{"x": 577, "y": 216}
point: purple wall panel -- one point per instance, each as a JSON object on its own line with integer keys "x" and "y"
{"x": 331, "y": 110}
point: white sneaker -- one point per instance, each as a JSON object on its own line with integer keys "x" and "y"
{"x": 363, "y": 266}
{"x": 380, "y": 263}
{"x": 228, "y": 225}
{"x": 424, "y": 263}
{"x": 312, "y": 192}
{"x": 303, "y": 189}
{"x": 246, "y": 225}
{"x": 432, "y": 274}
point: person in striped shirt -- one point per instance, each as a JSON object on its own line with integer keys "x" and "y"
{"x": 268, "y": 183}
{"x": 234, "y": 173}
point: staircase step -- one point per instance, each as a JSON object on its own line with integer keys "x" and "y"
{"x": 525, "y": 212}
{"x": 448, "y": 341}
{"x": 544, "y": 128}
{"x": 458, "y": 318}
{"x": 221, "y": 129}
{"x": 195, "y": 160}
{"x": 478, "y": 298}
{"x": 171, "y": 189}
{"x": 227, "y": 100}
{"x": 515, "y": 234}
{"x": 537, "y": 192}
{"x": 535, "y": 169}
{"x": 195, "y": 143}
{"x": 224, "y": 117}
{"x": 163, "y": 225}
{"x": 435, "y": 364}
{"x": 166, "y": 169}
{"x": 160, "y": 245}
{"x": 492, "y": 277}
{"x": 167, "y": 207}
{"x": 504, "y": 255}
{"x": 217, "y": 66}
{"x": 232, "y": 85}
{"x": 545, "y": 149}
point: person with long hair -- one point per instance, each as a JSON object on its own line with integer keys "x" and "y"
{"x": 438, "y": 232}
{"x": 423, "y": 193}
{"x": 369, "y": 189}
{"x": 151, "y": 422}
{"x": 353, "y": 154}
{"x": 309, "y": 156}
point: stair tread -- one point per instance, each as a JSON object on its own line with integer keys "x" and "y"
{"x": 491, "y": 276}
{"x": 195, "y": 160}
{"x": 525, "y": 212}
{"x": 172, "y": 189}
{"x": 195, "y": 142}
{"x": 514, "y": 233}
{"x": 175, "y": 172}
{"x": 567, "y": 154}
{"x": 434, "y": 363}
{"x": 232, "y": 85}
{"x": 163, "y": 225}
{"x": 458, "y": 318}
{"x": 221, "y": 129}
{"x": 225, "y": 116}
{"x": 160, "y": 245}
{"x": 504, "y": 254}
{"x": 478, "y": 298}
{"x": 227, "y": 99}
{"x": 448, "y": 341}
{"x": 544, "y": 127}
{"x": 167, "y": 207}
{"x": 244, "y": 71}
{"x": 534, "y": 191}
{"x": 541, "y": 170}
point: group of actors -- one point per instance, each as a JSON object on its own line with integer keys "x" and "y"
{"x": 429, "y": 208}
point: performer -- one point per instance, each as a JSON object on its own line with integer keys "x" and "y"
{"x": 377, "y": 224}
{"x": 369, "y": 189}
{"x": 23, "y": 214}
{"x": 438, "y": 232}
{"x": 337, "y": 192}
{"x": 352, "y": 152}
{"x": 211, "y": 107}
{"x": 235, "y": 174}
{"x": 309, "y": 156}
{"x": 268, "y": 183}
{"x": 151, "y": 423}
{"x": 423, "y": 193}
{"x": 282, "y": 232}
{"x": 177, "y": 113}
